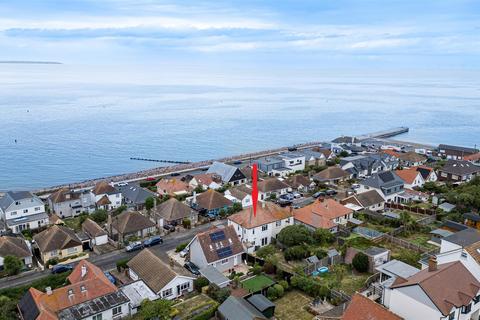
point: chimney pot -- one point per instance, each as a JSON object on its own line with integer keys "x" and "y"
{"x": 84, "y": 271}
{"x": 48, "y": 290}
{"x": 432, "y": 264}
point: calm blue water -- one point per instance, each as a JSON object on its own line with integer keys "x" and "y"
{"x": 75, "y": 122}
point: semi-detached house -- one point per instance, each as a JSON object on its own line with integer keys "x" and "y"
{"x": 257, "y": 231}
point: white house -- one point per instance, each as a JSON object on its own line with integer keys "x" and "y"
{"x": 293, "y": 161}
{"x": 411, "y": 178}
{"x": 241, "y": 194}
{"x": 387, "y": 184}
{"x": 442, "y": 291}
{"x": 21, "y": 210}
{"x": 106, "y": 196}
{"x": 96, "y": 234}
{"x": 70, "y": 203}
{"x": 218, "y": 247}
{"x": 206, "y": 181}
{"x": 257, "y": 231}
{"x": 168, "y": 281}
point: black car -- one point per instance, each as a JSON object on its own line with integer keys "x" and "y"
{"x": 331, "y": 192}
{"x": 169, "y": 227}
{"x": 152, "y": 241}
{"x": 192, "y": 268}
{"x": 61, "y": 268}
{"x": 174, "y": 174}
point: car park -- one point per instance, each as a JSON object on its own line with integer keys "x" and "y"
{"x": 192, "y": 268}
{"x": 61, "y": 268}
{"x": 152, "y": 241}
{"x": 133, "y": 246}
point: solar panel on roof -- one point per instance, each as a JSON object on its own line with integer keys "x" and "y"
{"x": 224, "y": 252}
{"x": 387, "y": 176}
{"x": 217, "y": 236}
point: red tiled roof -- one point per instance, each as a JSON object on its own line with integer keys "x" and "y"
{"x": 473, "y": 157}
{"x": 362, "y": 308}
{"x": 407, "y": 175}
{"x": 267, "y": 212}
{"x": 172, "y": 186}
{"x": 321, "y": 214}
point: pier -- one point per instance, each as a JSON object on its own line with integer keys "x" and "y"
{"x": 184, "y": 167}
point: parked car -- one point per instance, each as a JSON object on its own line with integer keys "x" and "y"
{"x": 319, "y": 194}
{"x": 169, "y": 227}
{"x": 237, "y": 162}
{"x": 192, "y": 268}
{"x": 183, "y": 253}
{"x": 61, "y": 268}
{"x": 152, "y": 241}
{"x": 174, "y": 174}
{"x": 287, "y": 196}
{"x": 355, "y": 186}
{"x": 297, "y": 195}
{"x": 137, "y": 245}
{"x": 110, "y": 277}
{"x": 331, "y": 192}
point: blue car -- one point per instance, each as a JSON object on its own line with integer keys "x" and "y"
{"x": 61, "y": 268}
{"x": 152, "y": 241}
{"x": 110, "y": 277}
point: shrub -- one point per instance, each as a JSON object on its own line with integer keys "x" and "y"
{"x": 296, "y": 253}
{"x": 122, "y": 264}
{"x": 321, "y": 253}
{"x": 149, "y": 203}
{"x": 295, "y": 235}
{"x": 284, "y": 284}
{"x": 269, "y": 267}
{"x": 266, "y": 251}
{"x": 310, "y": 286}
{"x": 12, "y": 265}
{"x": 279, "y": 289}
{"x": 323, "y": 236}
{"x": 51, "y": 262}
{"x": 199, "y": 283}
{"x": 187, "y": 223}
{"x": 207, "y": 314}
{"x": 159, "y": 309}
{"x": 99, "y": 216}
{"x": 181, "y": 246}
{"x": 218, "y": 294}
{"x": 360, "y": 262}
{"x": 256, "y": 269}
{"x": 272, "y": 293}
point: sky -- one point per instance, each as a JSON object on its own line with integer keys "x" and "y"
{"x": 335, "y": 34}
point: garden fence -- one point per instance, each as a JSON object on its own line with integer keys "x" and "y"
{"x": 410, "y": 208}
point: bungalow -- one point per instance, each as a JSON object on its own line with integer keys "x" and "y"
{"x": 70, "y": 203}
{"x": 134, "y": 196}
{"x": 363, "y": 308}
{"x": 370, "y": 200}
{"x": 323, "y": 214}
{"x": 332, "y": 175}
{"x": 257, "y": 231}
{"x": 271, "y": 187}
{"x": 445, "y": 291}
{"x": 300, "y": 182}
{"x": 428, "y": 174}
{"x": 211, "y": 202}
{"x": 206, "y": 181}
{"x": 89, "y": 295}
{"x": 172, "y": 187}
{"x": 95, "y": 233}
{"x": 313, "y": 158}
{"x": 458, "y": 171}
{"x": 57, "y": 242}
{"x": 455, "y": 152}
{"x": 106, "y": 196}
{"x": 407, "y": 159}
{"x": 387, "y": 184}
{"x": 129, "y": 224}
{"x": 228, "y": 173}
{"x": 219, "y": 247}
{"x": 22, "y": 210}
{"x": 411, "y": 178}
{"x": 241, "y": 194}
{"x": 168, "y": 280}
{"x": 17, "y": 247}
{"x": 174, "y": 212}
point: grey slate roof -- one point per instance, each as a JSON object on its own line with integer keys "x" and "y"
{"x": 464, "y": 238}
{"x": 213, "y": 275}
{"x": 12, "y": 196}
{"x": 134, "y": 194}
{"x": 460, "y": 167}
{"x": 94, "y": 306}
{"x": 447, "y": 206}
{"x": 373, "y": 251}
{"x": 238, "y": 309}
{"x": 225, "y": 171}
{"x": 260, "y": 302}
{"x": 368, "y": 162}
{"x": 382, "y": 180}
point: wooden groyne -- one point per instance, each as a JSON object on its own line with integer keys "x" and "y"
{"x": 159, "y": 160}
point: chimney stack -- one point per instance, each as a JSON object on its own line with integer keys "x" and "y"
{"x": 84, "y": 271}
{"x": 48, "y": 290}
{"x": 432, "y": 264}
{"x": 194, "y": 199}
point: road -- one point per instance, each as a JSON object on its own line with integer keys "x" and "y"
{"x": 109, "y": 260}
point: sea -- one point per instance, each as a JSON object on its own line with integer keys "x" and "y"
{"x": 62, "y": 123}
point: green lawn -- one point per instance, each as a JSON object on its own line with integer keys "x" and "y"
{"x": 292, "y": 306}
{"x": 195, "y": 304}
{"x": 257, "y": 283}
{"x": 73, "y": 223}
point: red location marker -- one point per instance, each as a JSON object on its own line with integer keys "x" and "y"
{"x": 254, "y": 188}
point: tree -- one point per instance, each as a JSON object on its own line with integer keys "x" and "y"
{"x": 158, "y": 309}
{"x": 272, "y": 293}
{"x": 99, "y": 216}
{"x": 296, "y": 253}
{"x": 199, "y": 283}
{"x": 323, "y": 236}
{"x": 237, "y": 206}
{"x": 343, "y": 154}
{"x": 198, "y": 189}
{"x": 409, "y": 224}
{"x": 295, "y": 235}
{"x": 360, "y": 262}
{"x": 7, "y": 308}
{"x": 149, "y": 203}
{"x": 256, "y": 269}
{"x": 266, "y": 251}
{"x": 12, "y": 265}
{"x": 279, "y": 289}
{"x": 187, "y": 223}
{"x": 284, "y": 284}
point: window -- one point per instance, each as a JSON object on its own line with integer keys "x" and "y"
{"x": 13, "y": 213}
{"x": 288, "y": 220}
{"x": 97, "y": 317}
{"x": 167, "y": 293}
{"x": 225, "y": 261}
{"x": 83, "y": 289}
{"x": 466, "y": 309}
{"x": 264, "y": 241}
{"x": 37, "y": 208}
{"x": 278, "y": 223}
{"x": 186, "y": 285}
{"x": 117, "y": 311}
{"x": 265, "y": 227}
{"x": 25, "y": 210}
{"x": 476, "y": 299}
{"x": 72, "y": 250}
